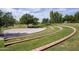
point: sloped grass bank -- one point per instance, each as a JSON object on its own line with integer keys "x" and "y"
{"x": 43, "y": 33}
{"x": 26, "y": 36}
{"x": 29, "y": 45}
{"x": 72, "y": 44}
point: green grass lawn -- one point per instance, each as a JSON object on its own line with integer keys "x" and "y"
{"x": 29, "y": 45}
{"x": 72, "y": 44}
{"x": 1, "y": 43}
{"x": 1, "y": 40}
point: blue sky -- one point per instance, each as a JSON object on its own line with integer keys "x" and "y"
{"x": 39, "y": 12}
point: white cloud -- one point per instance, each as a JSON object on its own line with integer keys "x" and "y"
{"x": 38, "y": 12}
{"x": 16, "y": 13}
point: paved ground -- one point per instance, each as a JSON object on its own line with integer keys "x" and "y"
{"x": 24, "y": 30}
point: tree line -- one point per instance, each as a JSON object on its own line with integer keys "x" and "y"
{"x": 7, "y": 19}
{"x": 56, "y": 17}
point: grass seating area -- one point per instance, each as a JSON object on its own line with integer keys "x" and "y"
{"x": 69, "y": 45}
{"x": 29, "y": 45}
{"x": 34, "y": 35}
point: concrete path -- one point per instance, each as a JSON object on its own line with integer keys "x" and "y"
{"x": 56, "y": 42}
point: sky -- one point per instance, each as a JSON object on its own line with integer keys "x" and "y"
{"x": 39, "y": 12}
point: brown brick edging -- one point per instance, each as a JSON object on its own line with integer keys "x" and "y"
{"x": 56, "y": 42}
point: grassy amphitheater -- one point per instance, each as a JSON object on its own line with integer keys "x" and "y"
{"x": 57, "y": 37}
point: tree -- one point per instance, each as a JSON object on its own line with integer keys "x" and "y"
{"x": 28, "y": 19}
{"x": 52, "y": 17}
{"x": 1, "y": 15}
{"x": 8, "y": 19}
{"x": 68, "y": 18}
{"x": 55, "y": 17}
{"x": 35, "y": 22}
{"x": 71, "y": 18}
{"x": 45, "y": 21}
{"x": 76, "y": 17}
{"x": 60, "y": 19}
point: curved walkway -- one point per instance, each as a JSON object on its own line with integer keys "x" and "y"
{"x": 56, "y": 42}
{"x": 10, "y": 43}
